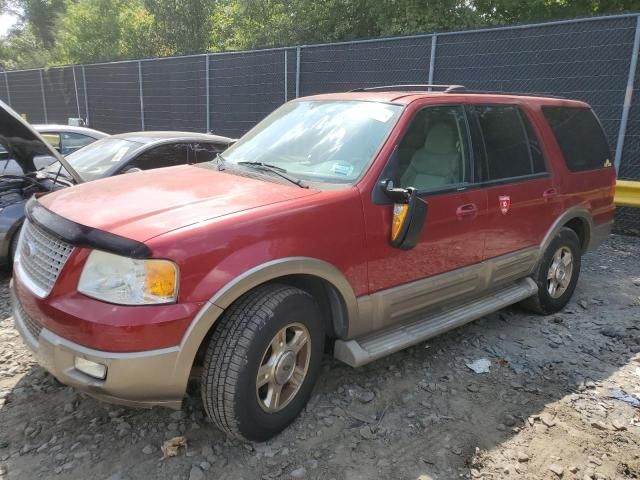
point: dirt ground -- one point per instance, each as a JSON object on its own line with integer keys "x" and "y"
{"x": 544, "y": 410}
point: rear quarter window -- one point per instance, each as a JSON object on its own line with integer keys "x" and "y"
{"x": 580, "y": 136}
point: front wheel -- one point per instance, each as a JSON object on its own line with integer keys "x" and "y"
{"x": 556, "y": 274}
{"x": 263, "y": 361}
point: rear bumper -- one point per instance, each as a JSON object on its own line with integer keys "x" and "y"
{"x": 142, "y": 379}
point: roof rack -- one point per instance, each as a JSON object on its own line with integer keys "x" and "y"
{"x": 513, "y": 94}
{"x": 442, "y": 88}
{"x": 458, "y": 89}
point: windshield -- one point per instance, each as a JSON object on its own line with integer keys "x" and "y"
{"x": 97, "y": 159}
{"x": 319, "y": 140}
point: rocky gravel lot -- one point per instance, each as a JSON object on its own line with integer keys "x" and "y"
{"x": 557, "y": 402}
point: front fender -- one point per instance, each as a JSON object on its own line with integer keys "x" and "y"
{"x": 251, "y": 278}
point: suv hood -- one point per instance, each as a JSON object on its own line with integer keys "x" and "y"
{"x": 143, "y": 205}
{"x": 21, "y": 143}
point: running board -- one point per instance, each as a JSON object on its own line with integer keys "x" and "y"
{"x": 360, "y": 351}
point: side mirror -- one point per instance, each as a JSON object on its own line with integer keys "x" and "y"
{"x": 409, "y": 215}
{"x": 132, "y": 170}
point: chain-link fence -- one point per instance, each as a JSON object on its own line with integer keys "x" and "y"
{"x": 592, "y": 59}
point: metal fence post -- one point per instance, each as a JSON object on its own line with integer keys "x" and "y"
{"x": 286, "y": 80}
{"x": 628, "y": 97}
{"x": 207, "y": 92}
{"x": 297, "y": 72}
{"x": 44, "y": 98}
{"x": 75, "y": 86}
{"x": 6, "y": 83}
{"x": 141, "y": 95}
{"x": 86, "y": 96}
{"x": 432, "y": 60}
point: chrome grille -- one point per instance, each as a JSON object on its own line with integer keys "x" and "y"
{"x": 41, "y": 256}
{"x": 34, "y": 327}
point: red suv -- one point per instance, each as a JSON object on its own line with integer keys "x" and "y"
{"x": 373, "y": 219}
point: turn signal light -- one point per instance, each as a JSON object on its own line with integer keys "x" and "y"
{"x": 400, "y": 211}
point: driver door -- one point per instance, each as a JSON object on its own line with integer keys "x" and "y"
{"x": 435, "y": 157}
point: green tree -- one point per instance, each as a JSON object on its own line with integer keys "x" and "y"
{"x": 101, "y": 30}
{"x": 183, "y": 25}
{"x": 514, "y": 11}
{"x": 22, "y": 49}
{"x": 41, "y": 16}
{"x": 255, "y": 23}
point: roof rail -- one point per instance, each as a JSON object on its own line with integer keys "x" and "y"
{"x": 442, "y": 88}
{"x": 513, "y": 94}
{"x": 458, "y": 89}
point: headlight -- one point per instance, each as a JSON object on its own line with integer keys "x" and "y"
{"x": 128, "y": 281}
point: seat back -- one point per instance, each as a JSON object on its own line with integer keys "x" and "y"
{"x": 437, "y": 163}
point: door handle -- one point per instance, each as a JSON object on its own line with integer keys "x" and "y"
{"x": 467, "y": 210}
{"x": 549, "y": 193}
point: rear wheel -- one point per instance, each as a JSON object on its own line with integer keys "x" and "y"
{"x": 263, "y": 361}
{"x": 557, "y": 274}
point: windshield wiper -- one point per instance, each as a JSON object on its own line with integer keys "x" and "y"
{"x": 281, "y": 172}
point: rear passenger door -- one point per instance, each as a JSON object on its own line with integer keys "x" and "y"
{"x": 522, "y": 198}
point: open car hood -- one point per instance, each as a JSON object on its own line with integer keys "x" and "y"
{"x": 21, "y": 143}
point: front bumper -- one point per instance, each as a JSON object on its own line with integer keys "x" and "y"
{"x": 142, "y": 379}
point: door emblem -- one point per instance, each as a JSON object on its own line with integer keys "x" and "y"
{"x": 504, "y": 202}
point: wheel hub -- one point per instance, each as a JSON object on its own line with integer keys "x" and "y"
{"x": 560, "y": 272}
{"x": 283, "y": 370}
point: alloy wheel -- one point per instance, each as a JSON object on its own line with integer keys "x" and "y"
{"x": 560, "y": 272}
{"x": 283, "y": 368}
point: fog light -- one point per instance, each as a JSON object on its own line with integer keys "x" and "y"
{"x": 93, "y": 369}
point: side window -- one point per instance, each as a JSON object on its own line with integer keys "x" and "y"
{"x": 205, "y": 152}
{"x": 434, "y": 151}
{"x": 580, "y": 136}
{"x": 53, "y": 139}
{"x": 162, "y": 156}
{"x": 70, "y": 142}
{"x": 506, "y": 143}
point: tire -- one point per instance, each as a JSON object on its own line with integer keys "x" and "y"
{"x": 239, "y": 348}
{"x": 544, "y": 302}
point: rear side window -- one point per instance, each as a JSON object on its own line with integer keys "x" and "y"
{"x": 580, "y": 136}
{"x": 205, "y": 152}
{"x": 511, "y": 147}
{"x": 168, "y": 155}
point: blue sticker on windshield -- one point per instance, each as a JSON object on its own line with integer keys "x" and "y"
{"x": 342, "y": 169}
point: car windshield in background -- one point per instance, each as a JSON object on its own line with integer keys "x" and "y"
{"x": 99, "y": 158}
{"x": 319, "y": 140}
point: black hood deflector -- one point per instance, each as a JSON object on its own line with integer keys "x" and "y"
{"x": 81, "y": 235}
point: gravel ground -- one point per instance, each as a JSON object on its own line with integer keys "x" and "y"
{"x": 544, "y": 410}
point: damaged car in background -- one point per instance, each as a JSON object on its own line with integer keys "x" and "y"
{"x": 29, "y": 166}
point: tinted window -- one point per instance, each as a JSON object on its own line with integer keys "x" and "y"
{"x": 99, "y": 158}
{"x": 580, "y": 136}
{"x": 506, "y": 145}
{"x": 535, "y": 147}
{"x": 74, "y": 141}
{"x": 434, "y": 151}
{"x": 205, "y": 152}
{"x": 162, "y": 156}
